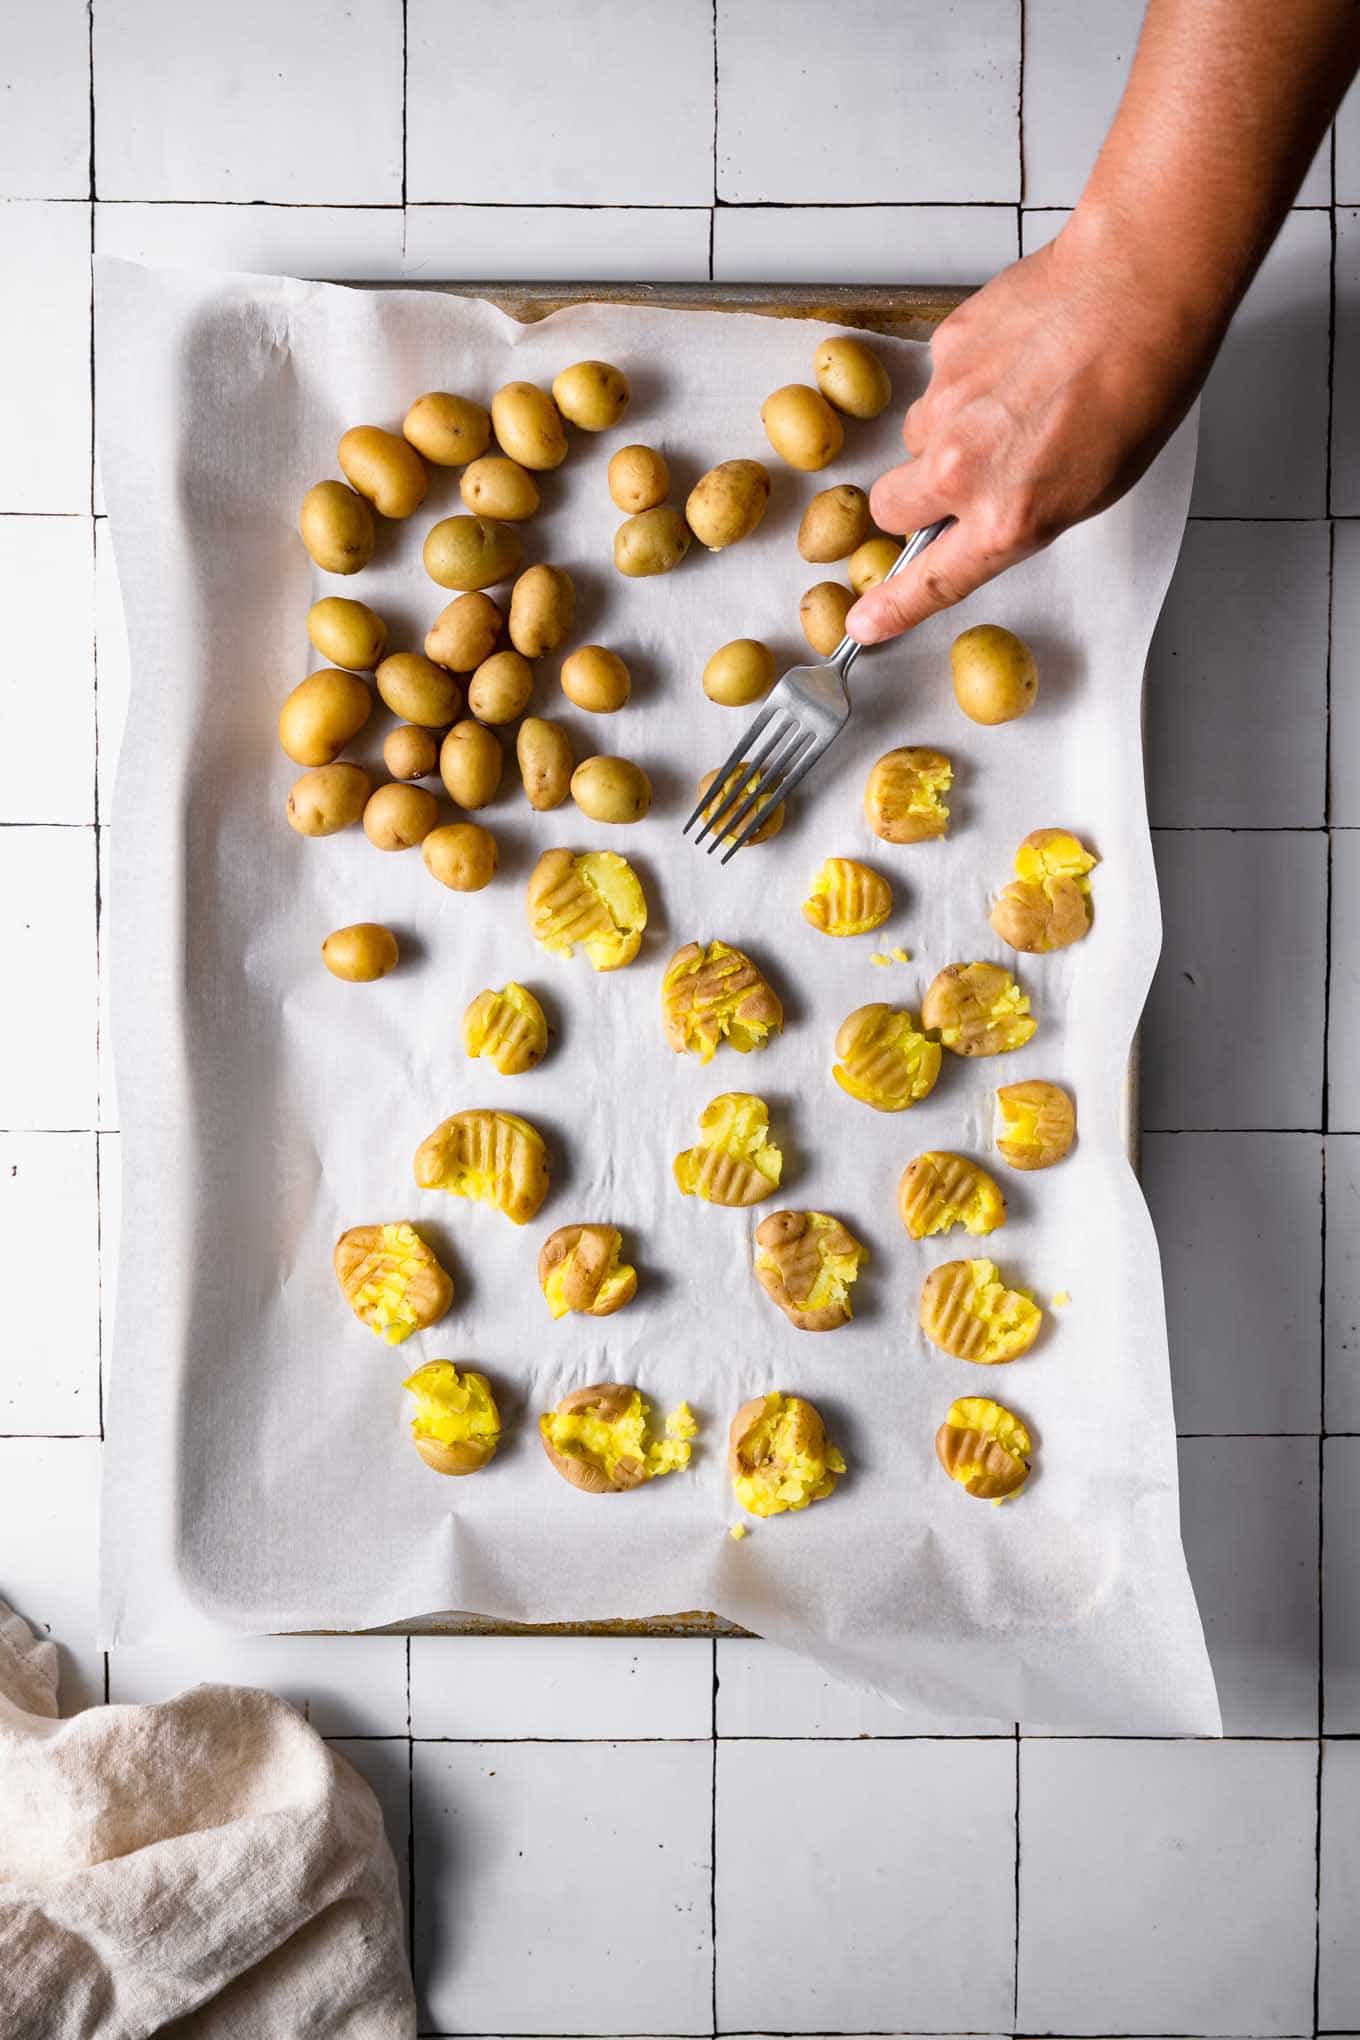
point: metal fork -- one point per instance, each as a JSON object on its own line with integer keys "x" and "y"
{"x": 800, "y": 720}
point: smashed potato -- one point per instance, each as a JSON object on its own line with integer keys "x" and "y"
{"x": 597, "y": 1438}
{"x": 729, "y": 801}
{"x": 805, "y": 1261}
{"x": 714, "y": 993}
{"x": 507, "y": 1029}
{"x": 580, "y": 1268}
{"x": 967, "y": 1311}
{"x": 939, "y": 1191}
{"x": 456, "y": 1427}
{"x": 1037, "y": 1124}
{"x": 985, "y": 1448}
{"x": 494, "y": 1157}
{"x": 594, "y": 899}
{"x": 779, "y": 1456}
{"x": 977, "y": 1009}
{"x": 1047, "y": 905}
{"x": 392, "y": 1281}
{"x": 904, "y": 795}
{"x": 847, "y": 898}
{"x": 734, "y": 1161}
{"x": 885, "y": 1059}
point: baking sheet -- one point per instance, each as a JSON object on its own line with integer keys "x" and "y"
{"x": 259, "y": 1474}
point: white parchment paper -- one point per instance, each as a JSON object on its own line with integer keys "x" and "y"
{"x": 259, "y": 1471}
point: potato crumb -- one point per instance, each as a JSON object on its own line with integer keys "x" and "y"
{"x": 1063, "y": 1296}
{"x": 737, "y": 1532}
{"x": 900, "y": 955}
{"x": 879, "y": 958}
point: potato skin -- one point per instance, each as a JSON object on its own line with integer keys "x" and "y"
{"x": 739, "y": 673}
{"x": 418, "y": 690}
{"x": 822, "y": 613}
{"x": 384, "y": 467}
{"x": 651, "y": 543}
{"x": 727, "y": 503}
{"x": 471, "y": 552}
{"x": 734, "y": 795}
{"x": 851, "y": 376}
{"x": 529, "y": 426}
{"x": 347, "y": 633}
{"x": 543, "y": 751}
{"x": 596, "y": 679}
{"x": 611, "y": 790}
{"x": 500, "y": 688}
{"x": 464, "y": 632}
{"x": 496, "y": 486}
{"x": 322, "y": 714}
{"x": 328, "y": 798}
{"x": 593, "y": 395}
{"x": 361, "y": 953}
{"x": 461, "y": 855}
{"x": 639, "y": 479}
{"x": 995, "y": 675}
{"x": 337, "y": 527}
{"x": 400, "y": 817}
{"x": 448, "y": 430}
{"x": 410, "y": 752}
{"x": 834, "y": 523}
{"x": 802, "y": 427}
{"x": 870, "y": 563}
{"x": 542, "y": 610}
{"x": 470, "y": 762}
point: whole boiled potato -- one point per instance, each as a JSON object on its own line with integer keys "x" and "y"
{"x": 448, "y": 430}
{"x": 639, "y": 478}
{"x": 592, "y": 394}
{"x": 464, "y": 633}
{"x": 496, "y": 486}
{"x": 400, "y": 817}
{"x": 347, "y": 633}
{"x": 543, "y": 750}
{"x": 361, "y": 953}
{"x": 728, "y": 503}
{"x": 461, "y": 855}
{"x": 834, "y": 523}
{"x": 471, "y": 552}
{"x": 499, "y": 690}
{"x": 739, "y": 672}
{"x": 596, "y": 679}
{"x": 870, "y": 563}
{"x": 542, "y": 610}
{"x": 802, "y": 427}
{"x": 470, "y": 762}
{"x": 822, "y": 613}
{"x": 850, "y": 376}
{"x": 409, "y": 752}
{"x": 611, "y": 790}
{"x": 651, "y": 543}
{"x": 384, "y": 467}
{"x": 337, "y": 528}
{"x": 328, "y": 798}
{"x": 322, "y": 714}
{"x": 995, "y": 676}
{"x": 529, "y": 425}
{"x": 418, "y": 690}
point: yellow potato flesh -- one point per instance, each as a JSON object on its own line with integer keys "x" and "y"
{"x": 583, "y": 1434}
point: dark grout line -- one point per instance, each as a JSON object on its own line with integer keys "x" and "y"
{"x": 1020, "y": 115}
{"x": 410, "y": 1825}
{"x": 713, "y": 1815}
{"x": 89, "y": 29}
{"x": 1015, "y": 1965}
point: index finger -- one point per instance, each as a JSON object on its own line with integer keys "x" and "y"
{"x": 954, "y": 566}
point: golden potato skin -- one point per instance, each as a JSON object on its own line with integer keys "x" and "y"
{"x": 496, "y": 486}
{"x": 410, "y": 752}
{"x": 872, "y": 562}
{"x": 328, "y": 798}
{"x": 802, "y": 427}
{"x": 506, "y": 1028}
{"x": 995, "y": 674}
{"x": 594, "y": 900}
{"x": 727, "y": 503}
{"x": 1037, "y": 1124}
{"x": 805, "y": 1262}
{"x": 904, "y": 795}
{"x": 596, "y": 679}
{"x": 544, "y": 754}
{"x": 734, "y": 1163}
{"x": 592, "y": 395}
{"x": 323, "y": 713}
{"x": 847, "y": 898}
{"x": 470, "y": 765}
{"x": 499, "y": 690}
{"x": 1047, "y": 905}
{"x": 639, "y": 479}
{"x": 739, "y": 673}
{"x": 985, "y": 1448}
{"x": 360, "y": 954}
{"x": 579, "y": 1269}
{"x": 461, "y": 855}
{"x": 529, "y": 426}
{"x": 712, "y": 992}
{"x": 968, "y": 1312}
{"x": 465, "y": 632}
{"x": 977, "y": 1009}
{"x": 542, "y": 610}
{"x": 884, "y": 1060}
{"x": 418, "y": 690}
{"x": 347, "y": 633}
{"x": 337, "y": 528}
{"x": 612, "y": 790}
{"x": 391, "y": 1279}
{"x": 384, "y": 467}
{"x": 448, "y": 430}
{"x": 822, "y": 613}
{"x": 938, "y": 1191}
{"x": 834, "y": 523}
{"x": 494, "y": 1157}
{"x": 471, "y": 552}
{"x": 851, "y": 376}
{"x": 400, "y": 817}
{"x": 653, "y": 542}
{"x": 735, "y": 791}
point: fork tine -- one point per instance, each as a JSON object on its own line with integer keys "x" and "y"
{"x": 730, "y": 764}
{"x": 719, "y": 808}
{"x": 803, "y": 763}
{"x": 791, "y": 742}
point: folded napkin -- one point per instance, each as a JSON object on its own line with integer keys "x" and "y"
{"x": 207, "y": 1866}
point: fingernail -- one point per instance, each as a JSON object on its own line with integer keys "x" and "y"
{"x": 863, "y": 625}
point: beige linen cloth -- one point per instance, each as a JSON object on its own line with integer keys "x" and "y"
{"x": 206, "y": 1866}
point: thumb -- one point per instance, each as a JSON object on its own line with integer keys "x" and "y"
{"x": 943, "y": 574}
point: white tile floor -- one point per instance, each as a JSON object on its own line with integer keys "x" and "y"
{"x": 681, "y": 1837}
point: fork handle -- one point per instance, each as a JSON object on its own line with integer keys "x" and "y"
{"x": 849, "y": 649}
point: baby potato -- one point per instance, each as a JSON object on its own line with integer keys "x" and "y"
{"x": 409, "y": 752}
{"x": 822, "y": 613}
{"x": 457, "y": 1426}
{"x": 470, "y": 761}
{"x": 598, "y": 1439}
{"x": 542, "y": 610}
{"x": 802, "y": 427}
{"x": 847, "y": 898}
{"x": 506, "y": 1028}
{"x": 739, "y": 673}
{"x": 461, "y": 855}
{"x": 1047, "y": 905}
{"x": 384, "y": 467}
{"x": 593, "y": 901}
{"x": 728, "y": 503}
{"x": 851, "y": 377}
{"x": 806, "y": 1261}
{"x": 977, "y": 1009}
{"x": 904, "y": 795}
{"x": 651, "y": 543}
{"x": 496, "y": 486}
{"x": 543, "y": 750}
{"x": 885, "y": 1060}
{"x": 347, "y": 633}
{"x": 471, "y": 552}
{"x": 834, "y": 523}
{"x": 596, "y": 679}
{"x": 322, "y": 714}
{"x": 779, "y": 1455}
{"x": 871, "y": 562}
{"x": 592, "y": 394}
{"x": 448, "y": 430}
{"x": 611, "y": 790}
{"x": 337, "y": 528}
{"x": 581, "y": 1268}
{"x": 360, "y": 954}
{"x": 1036, "y": 1124}
{"x": 328, "y": 798}
{"x": 995, "y": 675}
{"x": 967, "y": 1310}
{"x": 464, "y": 633}
{"x": 639, "y": 479}
{"x": 400, "y": 817}
{"x": 985, "y": 1448}
{"x": 529, "y": 426}
{"x": 729, "y": 802}
{"x": 418, "y": 690}
{"x": 500, "y": 688}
